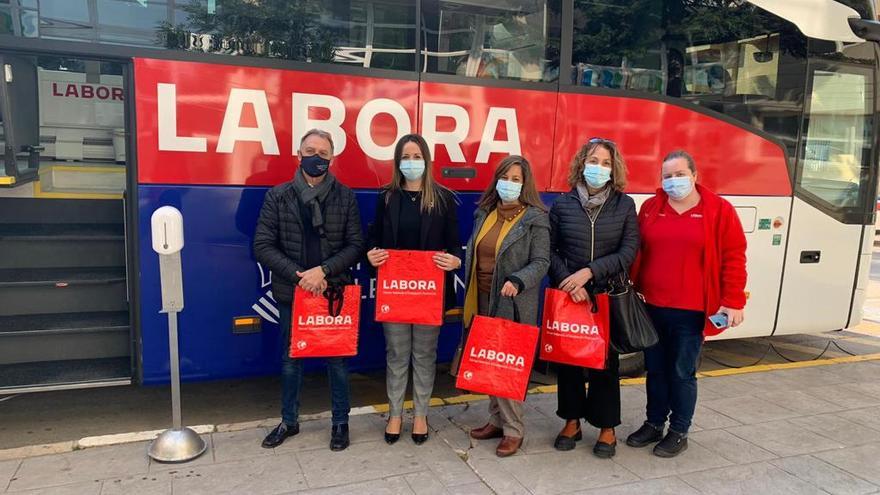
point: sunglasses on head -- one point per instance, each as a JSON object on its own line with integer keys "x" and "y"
{"x": 598, "y": 140}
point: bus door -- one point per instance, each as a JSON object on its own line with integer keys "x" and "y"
{"x": 833, "y": 204}
{"x": 64, "y": 319}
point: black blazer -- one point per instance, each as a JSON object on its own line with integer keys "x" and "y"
{"x": 439, "y": 230}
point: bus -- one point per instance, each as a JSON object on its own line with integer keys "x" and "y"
{"x": 113, "y": 108}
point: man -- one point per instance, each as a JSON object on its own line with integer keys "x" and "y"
{"x": 309, "y": 234}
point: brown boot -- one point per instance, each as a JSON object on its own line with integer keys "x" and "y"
{"x": 508, "y": 446}
{"x": 486, "y": 432}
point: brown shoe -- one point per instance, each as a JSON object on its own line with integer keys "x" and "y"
{"x": 486, "y": 432}
{"x": 508, "y": 446}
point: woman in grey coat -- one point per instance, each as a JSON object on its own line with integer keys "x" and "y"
{"x": 507, "y": 257}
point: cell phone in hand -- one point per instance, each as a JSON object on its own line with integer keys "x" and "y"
{"x": 719, "y": 320}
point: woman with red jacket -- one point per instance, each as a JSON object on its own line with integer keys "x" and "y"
{"x": 692, "y": 265}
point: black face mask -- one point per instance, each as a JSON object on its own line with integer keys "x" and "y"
{"x": 314, "y": 166}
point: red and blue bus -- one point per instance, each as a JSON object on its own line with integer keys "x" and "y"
{"x": 113, "y": 108}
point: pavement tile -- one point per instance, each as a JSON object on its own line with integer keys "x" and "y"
{"x": 709, "y": 419}
{"x": 316, "y": 434}
{"x": 82, "y": 465}
{"x": 660, "y": 486}
{"x": 748, "y": 480}
{"x": 825, "y": 476}
{"x": 562, "y": 472}
{"x": 862, "y": 461}
{"x": 749, "y": 409}
{"x": 816, "y": 376}
{"x": 725, "y": 386}
{"x": 864, "y": 371}
{"x": 257, "y": 475}
{"x": 358, "y": 463}
{"x": 646, "y": 465}
{"x": 83, "y": 488}
{"x": 153, "y": 484}
{"x": 845, "y": 396}
{"x": 7, "y": 471}
{"x": 784, "y": 438}
{"x": 799, "y": 402}
{"x": 844, "y": 431}
{"x": 470, "y": 489}
{"x": 498, "y": 479}
{"x": 235, "y": 445}
{"x": 869, "y": 417}
{"x": 730, "y": 446}
{"x": 767, "y": 382}
{"x": 444, "y": 463}
{"x": 427, "y": 483}
{"x": 389, "y": 486}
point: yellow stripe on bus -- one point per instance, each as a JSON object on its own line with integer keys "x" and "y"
{"x": 39, "y": 193}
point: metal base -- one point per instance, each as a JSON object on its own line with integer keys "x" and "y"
{"x": 177, "y": 446}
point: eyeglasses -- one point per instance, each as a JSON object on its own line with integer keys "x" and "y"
{"x": 598, "y": 140}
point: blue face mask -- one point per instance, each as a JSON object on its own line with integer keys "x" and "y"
{"x": 314, "y": 166}
{"x": 508, "y": 191}
{"x": 678, "y": 187}
{"x": 596, "y": 175}
{"x": 412, "y": 169}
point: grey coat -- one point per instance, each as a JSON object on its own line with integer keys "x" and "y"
{"x": 523, "y": 258}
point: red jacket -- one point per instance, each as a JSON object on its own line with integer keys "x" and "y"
{"x": 725, "y": 259}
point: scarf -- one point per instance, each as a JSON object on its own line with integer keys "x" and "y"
{"x": 591, "y": 203}
{"x": 313, "y": 196}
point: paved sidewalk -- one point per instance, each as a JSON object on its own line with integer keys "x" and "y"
{"x": 800, "y": 431}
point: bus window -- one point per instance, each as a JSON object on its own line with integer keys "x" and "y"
{"x": 836, "y": 153}
{"x": 617, "y": 44}
{"x": 497, "y": 39}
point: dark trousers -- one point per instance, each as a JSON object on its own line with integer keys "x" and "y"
{"x": 292, "y": 378}
{"x": 600, "y": 405}
{"x": 672, "y": 367}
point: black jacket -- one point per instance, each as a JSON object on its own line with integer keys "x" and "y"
{"x": 439, "y": 231}
{"x": 613, "y": 241}
{"x": 279, "y": 244}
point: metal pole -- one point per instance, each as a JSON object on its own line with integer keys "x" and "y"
{"x": 175, "y": 371}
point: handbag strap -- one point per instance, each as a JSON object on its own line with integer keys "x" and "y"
{"x": 516, "y": 316}
{"x": 335, "y": 299}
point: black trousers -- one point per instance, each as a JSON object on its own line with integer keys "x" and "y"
{"x": 600, "y": 406}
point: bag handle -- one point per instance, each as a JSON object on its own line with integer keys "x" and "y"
{"x": 516, "y": 317}
{"x": 335, "y": 296}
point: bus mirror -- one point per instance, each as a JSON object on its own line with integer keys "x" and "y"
{"x": 865, "y": 28}
{"x": 763, "y": 57}
{"x": 167, "y": 228}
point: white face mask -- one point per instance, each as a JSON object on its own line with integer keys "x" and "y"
{"x": 508, "y": 191}
{"x": 412, "y": 169}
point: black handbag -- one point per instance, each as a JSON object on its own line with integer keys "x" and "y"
{"x": 632, "y": 329}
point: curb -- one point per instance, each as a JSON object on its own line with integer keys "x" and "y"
{"x": 141, "y": 436}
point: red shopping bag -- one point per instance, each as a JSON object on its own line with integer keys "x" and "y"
{"x": 325, "y": 325}
{"x": 575, "y": 333}
{"x": 497, "y": 358}
{"x": 409, "y": 289}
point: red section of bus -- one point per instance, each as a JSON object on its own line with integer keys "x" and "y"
{"x": 202, "y": 94}
{"x": 730, "y": 159}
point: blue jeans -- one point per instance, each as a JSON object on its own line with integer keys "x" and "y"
{"x": 672, "y": 367}
{"x": 292, "y": 378}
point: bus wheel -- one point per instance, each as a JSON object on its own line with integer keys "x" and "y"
{"x": 632, "y": 365}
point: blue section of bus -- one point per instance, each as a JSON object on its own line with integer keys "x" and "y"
{"x": 221, "y": 280}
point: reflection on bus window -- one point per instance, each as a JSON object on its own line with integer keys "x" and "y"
{"x": 836, "y": 148}
{"x": 497, "y": 39}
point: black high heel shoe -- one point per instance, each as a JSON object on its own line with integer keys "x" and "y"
{"x": 420, "y": 438}
{"x": 391, "y": 438}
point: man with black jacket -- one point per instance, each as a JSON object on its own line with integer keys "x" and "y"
{"x": 309, "y": 234}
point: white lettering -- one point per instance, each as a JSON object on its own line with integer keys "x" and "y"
{"x": 499, "y": 357}
{"x": 302, "y": 123}
{"x": 489, "y": 145}
{"x": 324, "y": 320}
{"x": 167, "y": 112}
{"x": 565, "y": 327}
{"x": 365, "y": 120}
{"x": 450, "y": 139}
{"x": 409, "y": 285}
{"x": 232, "y": 131}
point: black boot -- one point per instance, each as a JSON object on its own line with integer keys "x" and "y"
{"x": 645, "y": 436}
{"x": 339, "y": 437}
{"x": 673, "y": 443}
{"x": 277, "y": 436}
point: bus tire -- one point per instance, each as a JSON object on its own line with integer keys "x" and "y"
{"x": 632, "y": 365}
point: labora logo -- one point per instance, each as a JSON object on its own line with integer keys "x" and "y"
{"x": 323, "y": 320}
{"x": 498, "y": 356}
{"x": 565, "y": 327}
{"x": 548, "y": 348}
{"x": 468, "y": 375}
{"x": 301, "y": 344}
{"x": 385, "y": 308}
{"x": 409, "y": 285}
